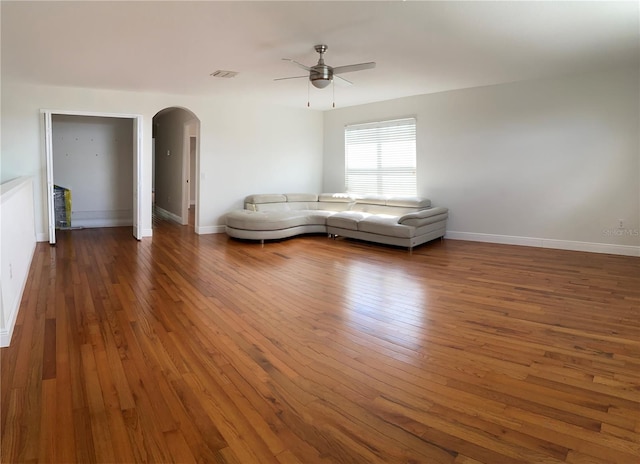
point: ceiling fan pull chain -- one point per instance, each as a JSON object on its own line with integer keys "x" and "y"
{"x": 333, "y": 82}
{"x": 308, "y": 94}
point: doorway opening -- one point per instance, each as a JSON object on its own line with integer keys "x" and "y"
{"x": 93, "y": 146}
{"x": 176, "y": 134}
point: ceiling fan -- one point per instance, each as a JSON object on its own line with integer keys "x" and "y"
{"x": 321, "y": 75}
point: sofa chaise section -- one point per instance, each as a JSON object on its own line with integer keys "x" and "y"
{"x": 276, "y": 216}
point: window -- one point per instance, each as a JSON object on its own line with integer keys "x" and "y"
{"x": 380, "y": 157}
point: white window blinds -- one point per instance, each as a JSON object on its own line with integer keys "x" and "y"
{"x": 381, "y": 157}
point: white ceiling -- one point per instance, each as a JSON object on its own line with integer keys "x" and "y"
{"x": 419, "y": 47}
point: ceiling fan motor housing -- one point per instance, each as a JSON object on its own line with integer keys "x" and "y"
{"x": 321, "y": 76}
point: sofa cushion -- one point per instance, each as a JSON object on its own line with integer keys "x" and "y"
{"x": 265, "y": 198}
{"x": 418, "y": 217}
{"x": 372, "y": 199}
{"x": 335, "y": 198}
{"x": 291, "y": 197}
{"x": 332, "y": 206}
{"x": 334, "y": 202}
{"x": 297, "y": 205}
{"x": 272, "y": 220}
{"x": 409, "y": 202}
{"x": 382, "y": 209}
{"x": 266, "y": 202}
{"x": 425, "y": 221}
{"x": 382, "y": 224}
{"x": 318, "y": 217}
{"x": 346, "y": 219}
{"x": 271, "y": 207}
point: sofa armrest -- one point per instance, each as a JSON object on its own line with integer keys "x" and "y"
{"x": 425, "y": 216}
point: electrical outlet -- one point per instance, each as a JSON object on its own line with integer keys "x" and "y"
{"x": 620, "y": 223}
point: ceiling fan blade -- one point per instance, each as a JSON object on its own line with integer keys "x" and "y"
{"x": 344, "y": 81}
{"x": 285, "y": 78}
{"x": 300, "y": 65}
{"x": 353, "y": 67}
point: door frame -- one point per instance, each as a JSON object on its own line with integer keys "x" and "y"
{"x": 137, "y": 164}
{"x": 191, "y": 129}
{"x": 186, "y": 161}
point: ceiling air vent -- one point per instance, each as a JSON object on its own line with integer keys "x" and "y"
{"x": 225, "y": 74}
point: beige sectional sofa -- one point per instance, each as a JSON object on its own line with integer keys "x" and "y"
{"x": 402, "y": 221}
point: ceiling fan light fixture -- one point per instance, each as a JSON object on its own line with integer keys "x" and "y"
{"x": 320, "y": 82}
{"x": 321, "y": 75}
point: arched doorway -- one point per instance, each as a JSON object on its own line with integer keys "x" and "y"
{"x": 176, "y": 142}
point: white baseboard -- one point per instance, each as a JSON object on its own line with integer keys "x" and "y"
{"x": 7, "y": 332}
{"x": 147, "y": 232}
{"x": 168, "y": 215}
{"x": 203, "y": 230}
{"x": 95, "y": 223}
{"x": 608, "y": 248}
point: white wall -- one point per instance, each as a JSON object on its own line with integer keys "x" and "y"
{"x": 17, "y": 244}
{"x": 93, "y": 157}
{"x": 548, "y": 162}
{"x": 245, "y": 146}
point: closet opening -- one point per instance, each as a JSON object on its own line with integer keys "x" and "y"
{"x": 94, "y": 173}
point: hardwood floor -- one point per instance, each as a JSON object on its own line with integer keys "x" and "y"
{"x": 187, "y": 348}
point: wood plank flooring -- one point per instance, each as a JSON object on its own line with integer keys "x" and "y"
{"x": 187, "y": 348}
